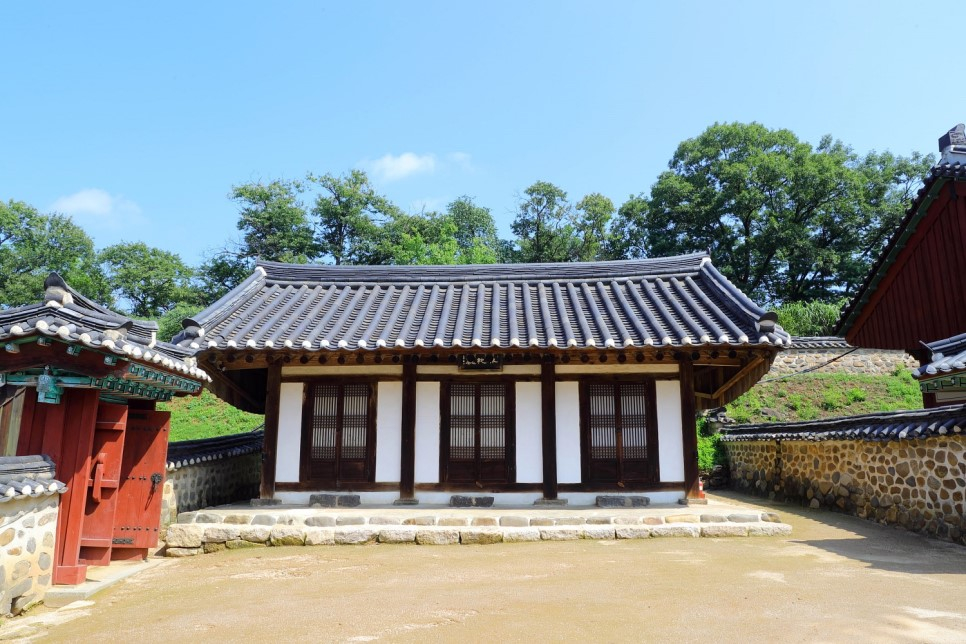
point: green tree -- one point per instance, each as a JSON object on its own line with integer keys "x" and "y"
{"x": 592, "y": 227}
{"x": 783, "y": 220}
{"x": 149, "y": 280}
{"x": 274, "y": 223}
{"x": 476, "y": 232}
{"x": 544, "y": 225}
{"x": 434, "y": 239}
{"x": 275, "y": 227}
{"x": 33, "y": 244}
{"x": 348, "y": 214}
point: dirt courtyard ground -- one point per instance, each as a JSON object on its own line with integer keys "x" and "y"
{"x": 835, "y": 579}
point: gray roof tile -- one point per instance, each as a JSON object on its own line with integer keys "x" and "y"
{"x": 888, "y": 426}
{"x": 671, "y": 301}
{"x": 27, "y": 476}
{"x": 948, "y": 356}
{"x": 819, "y": 342}
{"x": 183, "y": 453}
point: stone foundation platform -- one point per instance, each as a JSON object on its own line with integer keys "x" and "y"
{"x": 218, "y": 529}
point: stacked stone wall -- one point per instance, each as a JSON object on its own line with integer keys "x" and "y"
{"x": 28, "y": 526}
{"x": 861, "y": 361}
{"x": 209, "y": 483}
{"x": 919, "y": 484}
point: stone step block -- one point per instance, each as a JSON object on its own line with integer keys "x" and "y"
{"x": 622, "y": 501}
{"x": 463, "y": 501}
{"x": 334, "y": 500}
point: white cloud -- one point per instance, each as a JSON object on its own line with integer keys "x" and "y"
{"x": 407, "y": 164}
{"x": 95, "y": 207}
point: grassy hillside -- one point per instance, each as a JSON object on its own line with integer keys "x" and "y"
{"x": 809, "y": 397}
{"x": 205, "y": 416}
{"x": 813, "y": 396}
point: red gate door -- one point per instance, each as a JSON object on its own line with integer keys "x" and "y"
{"x": 102, "y": 484}
{"x": 142, "y": 480}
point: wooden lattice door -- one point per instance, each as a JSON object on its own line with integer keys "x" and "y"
{"x": 619, "y": 433}
{"x": 338, "y": 442}
{"x": 477, "y": 442}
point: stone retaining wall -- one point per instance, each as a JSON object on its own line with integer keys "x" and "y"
{"x": 27, "y": 528}
{"x": 861, "y": 361}
{"x": 210, "y": 482}
{"x": 919, "y": 484}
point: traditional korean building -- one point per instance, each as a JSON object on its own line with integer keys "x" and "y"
{"x": 533, "y": 382}
{"x": 914, "y": 298}
{"x": 80, "y": 384}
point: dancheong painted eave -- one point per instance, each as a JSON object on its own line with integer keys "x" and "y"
{"x": 668, "y": 302}
{"x": 65, "y": 317}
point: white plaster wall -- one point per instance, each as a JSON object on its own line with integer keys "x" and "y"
{"x": 427, "y": 432}
{"x": 289, "y": 432}
{"x": 388, "y": 431}
{"x": 671, "y": 447}
{"x": 568, "y": 432}
{"x": 529, "y": 433}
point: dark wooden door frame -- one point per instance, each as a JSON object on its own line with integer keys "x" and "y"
{"x": 651, "y": 431}
{"x": 510, "y": 433}
{"x": 305, "y": 458}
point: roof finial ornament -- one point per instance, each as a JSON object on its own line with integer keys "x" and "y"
{"x": 952, "y": 145}
{"x": 56, "y": 293}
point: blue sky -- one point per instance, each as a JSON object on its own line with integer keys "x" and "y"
{"x": 137, "y": 118}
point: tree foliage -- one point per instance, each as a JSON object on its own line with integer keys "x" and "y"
{"x": 544, "y": 225}
{"x": 33, "y": 244}
{"x": 783, "y": 220}
{"x": 148, "y": 281}
{"x": 348, "y": 214}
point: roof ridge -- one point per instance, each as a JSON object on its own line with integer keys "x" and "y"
{"x": 549, "y": 271}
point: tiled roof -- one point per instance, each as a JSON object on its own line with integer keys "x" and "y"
{"x": 800, "y": 342}
{"x": 26, "y": 476}
{"x": 948, "y": 356}
{"x": 202, "y": 450}
{"x": 68, "y": 316}
{"x": 941, "y": 171}
{"x": 675, "y": 301}
{"x": 919, "y": 423}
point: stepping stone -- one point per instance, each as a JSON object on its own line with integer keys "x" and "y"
{"x": 458, "y": 501}
{"x": 334, "y": 500}
{"x": 623, "y": 501}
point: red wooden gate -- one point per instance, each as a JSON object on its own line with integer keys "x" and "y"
{"x": 105, "y": 474}
{"x": 142, "y": 479}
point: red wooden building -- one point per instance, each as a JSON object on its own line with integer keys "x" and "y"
{"x": 916, "y": 292}
{"x": 81, "y": 384}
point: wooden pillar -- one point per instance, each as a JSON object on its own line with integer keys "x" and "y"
{"x": 407, "y": 465}
{"x": 548, "y": 423}
{"x": 273, "y": 392}
{"x": 689, "y": 430}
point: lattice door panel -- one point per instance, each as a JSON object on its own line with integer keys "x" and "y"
{"x": 615, "y": 432}
{"x": 340, "y": 428}
{"x": 476, "y": 433}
